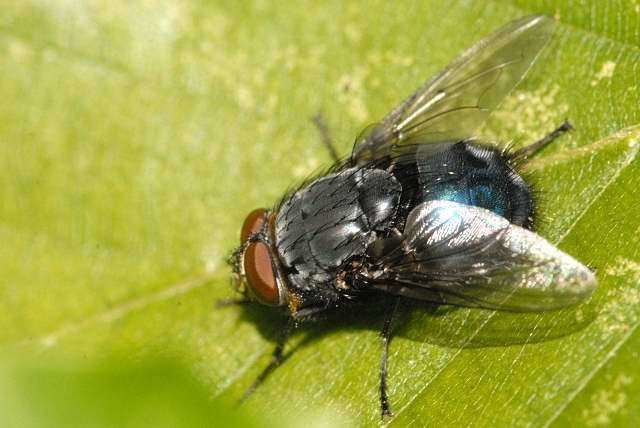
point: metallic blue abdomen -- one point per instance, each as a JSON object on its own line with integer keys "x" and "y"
{"x": 480, "y": 195}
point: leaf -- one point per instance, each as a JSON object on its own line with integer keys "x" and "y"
{"x": 155, "y": 393}
{"x": 135, "y": 137}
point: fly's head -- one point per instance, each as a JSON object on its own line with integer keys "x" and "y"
{"x": 255, "y": 263}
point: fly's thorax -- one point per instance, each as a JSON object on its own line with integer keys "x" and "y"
{"x": 328, "y": 225}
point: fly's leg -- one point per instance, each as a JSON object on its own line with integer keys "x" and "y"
{"x": 318, "y": 120}
{"x": 223, "y": 303}
{"x": 386, "y": 339}
{"x": 276, "y": 359}
{"x": 532, "y": 149}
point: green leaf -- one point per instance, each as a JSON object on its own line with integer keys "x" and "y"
{"x": 136, "y": 135}
{"x": 110, "y": 394}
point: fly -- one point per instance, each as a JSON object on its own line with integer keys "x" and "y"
{"x": 419, "y": 210}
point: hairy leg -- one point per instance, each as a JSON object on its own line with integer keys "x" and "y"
{"x": 318, "y": 120}
{"x": 276, "y": 359}
{"x": 386, "y": 339}
{"x": 532, "y": 149}
{"x": 223, "y": 303}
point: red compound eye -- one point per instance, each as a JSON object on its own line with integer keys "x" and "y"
{"x": 252, "y": 224}
{"x": 259, "y": 273}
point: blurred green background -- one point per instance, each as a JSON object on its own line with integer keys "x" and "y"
{"x": 136, "y": 135}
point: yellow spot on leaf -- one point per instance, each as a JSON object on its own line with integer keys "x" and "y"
{"x": 20, "y": 51}
{"x": 606, "y": 402}
{"x": 614, "y": 320}
{"x": 606, "y": 72}
{"x": 526, "y": 114}
{"x": 350, "y": 90}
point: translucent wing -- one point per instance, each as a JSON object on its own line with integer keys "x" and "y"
{"x": 453, "y": 103}
{"x": 469, "y": 256}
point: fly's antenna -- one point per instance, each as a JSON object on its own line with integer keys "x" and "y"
{"x": 530, "y": 150}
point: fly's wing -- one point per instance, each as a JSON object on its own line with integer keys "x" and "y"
{"x": 468, "y": 256}
{"x": 456, "y": 101}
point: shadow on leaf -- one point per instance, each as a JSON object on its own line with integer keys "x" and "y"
{"x": 441, "y": 325}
